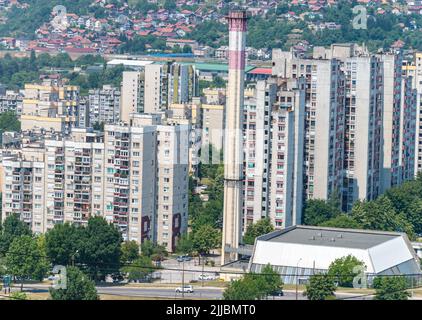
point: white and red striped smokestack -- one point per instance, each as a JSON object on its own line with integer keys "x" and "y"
{"x": 233, "y": 142}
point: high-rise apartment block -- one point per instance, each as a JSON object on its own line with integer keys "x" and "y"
{"x": 50, "y": 106}
{"x": 11, "y": 101}
{"x": 273, "y": 130}
{"x": 135, "y": 176}
{"x": 104, "y": 105}
{"x": 360, "y": 121}
{"x": 156, "y": 87}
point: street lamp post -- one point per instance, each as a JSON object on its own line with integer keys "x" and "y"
{"x": 73, "y": 257}
{"x": 203, "y": 264}
{"x": 183, "y": 279}
{"x": 297, "y": 275}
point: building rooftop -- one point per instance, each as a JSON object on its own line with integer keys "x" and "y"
{"x": 132, "y": 63}
{"x": 217, "y": 67}
{"x": 332, "y": 237}
{"x": 316, "y": 247}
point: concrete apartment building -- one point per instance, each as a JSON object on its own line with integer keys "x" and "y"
{"x": 50, "y": 106}
{"x": 132, "y": 94}
{"x": 213, "y": 126}
{"x": 52, "y": 181}
{"x": 134, "y": 176}
{"x": 324, "y": 120}
{"x": 104, "y": 105}
{"x": 413, "y": 69}
{"x": 11, "y": 101}
{"x": 129, "y": 192}
{"x": 157, "y": 87}
{"x": 399, "y": 122}
{"x": 273, "y": 152}
{"x": 172, "y": 183}
{"x": 359, "y": 121}
{"x": 363, "y": 135}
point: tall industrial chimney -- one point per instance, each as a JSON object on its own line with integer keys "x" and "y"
{"x": 233, "y": 143}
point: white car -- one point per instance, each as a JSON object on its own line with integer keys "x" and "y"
{"x": 206, "y": 277}
{"x": 187, "y": 289}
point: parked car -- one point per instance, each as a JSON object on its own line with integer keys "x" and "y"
{"x": 206, "y": 277}
{"x": 277, "y": 293}
{"x": 187, "y": 289}
{"x": 183, "y": 258}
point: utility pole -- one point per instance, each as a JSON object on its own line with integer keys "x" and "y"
{"x": 297, "y": 276}
{"x": 203, "y": 266}
{"x": 183, "y": 279}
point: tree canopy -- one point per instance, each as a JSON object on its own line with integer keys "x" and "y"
{"x": 78, "y": 287}
{"x": 254, "y": 285}
{"x": 343, "y": 270}
{"x": 391, "y": 288}
{"x": 25, "y": 259}
{"x": 63, "y": 242}
{"x": 257, "y": 229}
{"x": 101, "y": 248}
{"x": 320, "y": 287}
{"x": 11, "y": 229}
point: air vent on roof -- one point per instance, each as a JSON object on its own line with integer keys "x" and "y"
{"x": 340, "y": 236}
{"x": 332, "y": 239}
{"x": 312, "y": 238}
{"x": 319, "y": 234}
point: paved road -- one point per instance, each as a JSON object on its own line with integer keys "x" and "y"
{"x": 208, "y": 293}
{"x": 173, "y": 271}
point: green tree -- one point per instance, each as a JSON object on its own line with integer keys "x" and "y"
{"x": 257, "y": 229}
{"x": 130, "y": 252}
{"x": 341, "y": 270}
{"x": 242, "y": 289}
{"x": 185, "y": 245}
{"x": 100, "y": 250}
{"x": 25, "y": 259}
{"x": 63, "y": 243}
{"x": 12, "y": 228}
{"x": 343, "y": 220}
{"x": 254, "y": 286}
{"x": 206, "y": 238}
{"x": 140, "y": 269}
{"x": 320, "y": 287}
{"x": 9, "y": 122}
{"x": 391, "y": 288}
{"x": 380, "y": 214}
{"x": 318, "y": 211}
{"x": 154, "y": 251}
{"x": 78, "y": 287}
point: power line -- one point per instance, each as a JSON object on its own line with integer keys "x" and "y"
{"x": 103, "y": 267}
